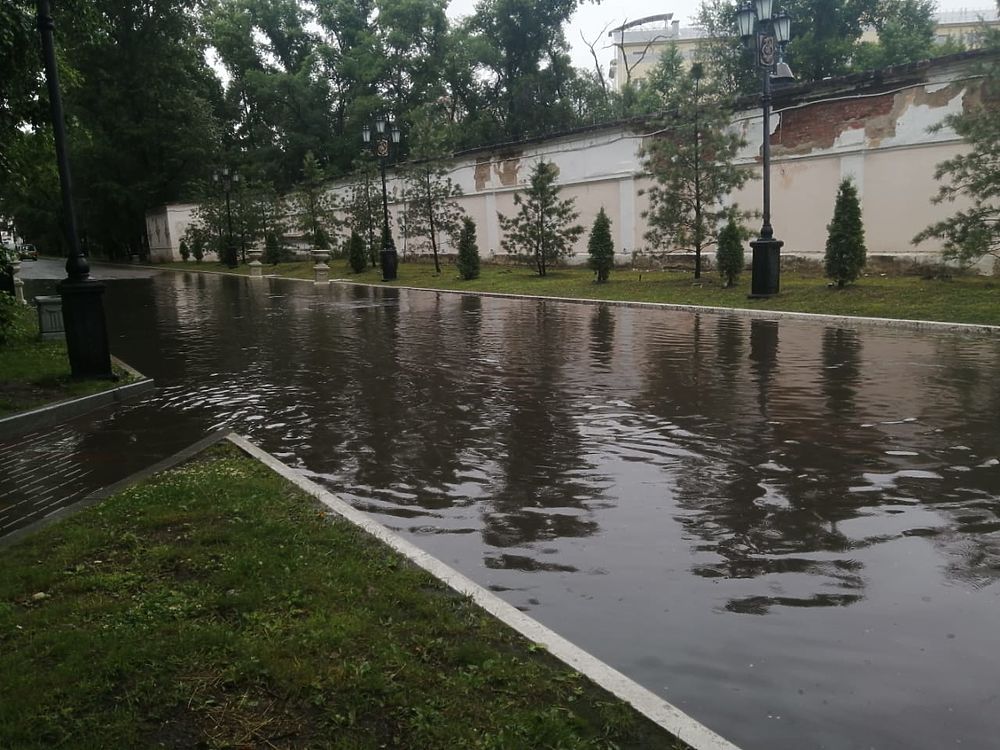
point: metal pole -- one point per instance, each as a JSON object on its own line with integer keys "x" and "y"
{"x": 765, "y": 278}
{"x": 82, "y": 307}
{"x": 385, "y": 198}
{"x": 77, "y": 267}
{"x": 766, "y": 230}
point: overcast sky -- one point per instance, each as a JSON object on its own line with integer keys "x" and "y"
{"x": 591, "y": 18}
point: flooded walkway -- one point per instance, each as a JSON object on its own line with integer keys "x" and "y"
{"x": 790, "y": 530}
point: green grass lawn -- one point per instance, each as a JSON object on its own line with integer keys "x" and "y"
{"x": 216, "y": 605}
{"x": 34, "y": 373}
{"x": 960, "y": 299}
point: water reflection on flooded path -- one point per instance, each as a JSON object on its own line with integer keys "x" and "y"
{"x": 788, "y": 529}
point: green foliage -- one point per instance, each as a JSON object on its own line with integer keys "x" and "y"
{"x": 845, "y": 243}
{"x": 429, "y": 190}
{"x": 691, "y": 161}
{"x": 972, "y": 233}
{"x": 316, "y": 207}
{"x": 363, "y": 205}
{"x": 600, "y": 247}
{"x": 542, "y": 229}
{"x": 275, "y": 251}
{"x": 905, "y": 34}
{"x": 729, "y": 255}
{"x": 826, "y": 39}
{"x": 8, "y": 315}
{"x": 185, "y": 252}
{"x": 198, "y": 248}
{"x": 357, "y": 256}
{"x": 468, "y": 251}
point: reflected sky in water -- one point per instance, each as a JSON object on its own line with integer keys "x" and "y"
{"x": 788, "y": 529}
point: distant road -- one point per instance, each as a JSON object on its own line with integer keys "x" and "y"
{"x": 55, "y": 268}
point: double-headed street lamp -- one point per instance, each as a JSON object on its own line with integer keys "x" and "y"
{"x": 382, "y": 147}
{"x": 771, "y": 35}
{"x": 228, "y": 178}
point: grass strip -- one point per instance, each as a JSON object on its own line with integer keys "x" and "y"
{"x": 34, "y": 373}
{"x": 956, "y": 299}
{"x": 216, "y": 605}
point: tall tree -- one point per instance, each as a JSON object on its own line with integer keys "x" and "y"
{"x": 363, "y": 205}
{"x": 524, "y": 59}
{"x": 691, "y": 162}
{"x": 140, "y": 107}
{"x": 973, "y": 233}
{"x": 905, "y": 34}
{"x": 315, "y": 205}
{"x": 542, "y": 229}
{"x": 429, "y": 190}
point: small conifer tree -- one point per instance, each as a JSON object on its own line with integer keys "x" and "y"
{"x": 272, "y": 249}
{"x": 185, "y": 253}
{"x": 357, "y": 255}
{"x": 845, "y": 242}
{"x": 468, "y": 252}
{"x": 198, "y": 249}
{"x": 729, "y": 256}
{"x": 600, "y": 247}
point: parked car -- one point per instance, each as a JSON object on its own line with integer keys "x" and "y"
{"x": 27, "y": 252}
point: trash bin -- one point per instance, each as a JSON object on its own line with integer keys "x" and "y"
{"x": 50, "y": 319}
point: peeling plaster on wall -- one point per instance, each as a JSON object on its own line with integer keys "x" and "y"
{"x": 507, "y": 168}
{"x": 914, "y": 112}
{"x": 818, "y": 126}
{"x": 482, "y": 172}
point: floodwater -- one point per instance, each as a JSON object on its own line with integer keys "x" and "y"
{"x": 788, "y": 529}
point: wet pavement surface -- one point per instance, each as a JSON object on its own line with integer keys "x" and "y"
{"x": 790, "y": 530}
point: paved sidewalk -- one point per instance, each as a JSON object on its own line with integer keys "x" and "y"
{"x": 39, "y": 473}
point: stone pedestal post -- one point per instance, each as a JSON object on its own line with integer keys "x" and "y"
{"x": 256, "y": 267}
{"x": 321, "y": 269}
{"x": 15, "y": 269}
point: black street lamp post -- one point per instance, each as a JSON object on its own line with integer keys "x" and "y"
{"x": 771, "y": 35}
{"x": 228, "y": 178}
{"x": 82, "y": 304}
{"x": 382, "y": 147}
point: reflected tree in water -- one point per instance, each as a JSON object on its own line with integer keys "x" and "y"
{"x": 539, "y": 493}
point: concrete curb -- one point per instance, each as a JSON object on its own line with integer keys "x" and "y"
{"x": 662, "y": 713}
{"x": 46, "y": 416}
{"x": 842, "y": 321}
{"x": 95, "y": 497}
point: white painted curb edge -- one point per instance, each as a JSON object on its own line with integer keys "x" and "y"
{"x": 645, "y": 702}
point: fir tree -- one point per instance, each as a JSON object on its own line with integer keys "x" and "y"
{"x": 429, "y": 190}
{"x": 845, "y": 242}
{"x": 272, "y": 249}
{"x": 185, "y": 253}
{"x": 729, "y": 256}
{"x": 542, "y": 230}
{"x": 600, "y": 247}
{"x": 357, "y": 254}
{"x": 692, "y": 165}
{"x": 468, "y": 252}
{"x": 198, "y": 249}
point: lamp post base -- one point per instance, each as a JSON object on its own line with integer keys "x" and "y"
{"x": 390, "y": 262}
{"x": 765, "y": 268}
{"x": 86, "y": 329}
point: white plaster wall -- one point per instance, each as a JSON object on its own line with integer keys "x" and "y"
{"x": 890, "y": 157}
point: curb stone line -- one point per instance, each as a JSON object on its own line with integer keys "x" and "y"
{"x": 982, "y": 329}
{"x": 662, "y": 713}
{"x": 104, "y": 492}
